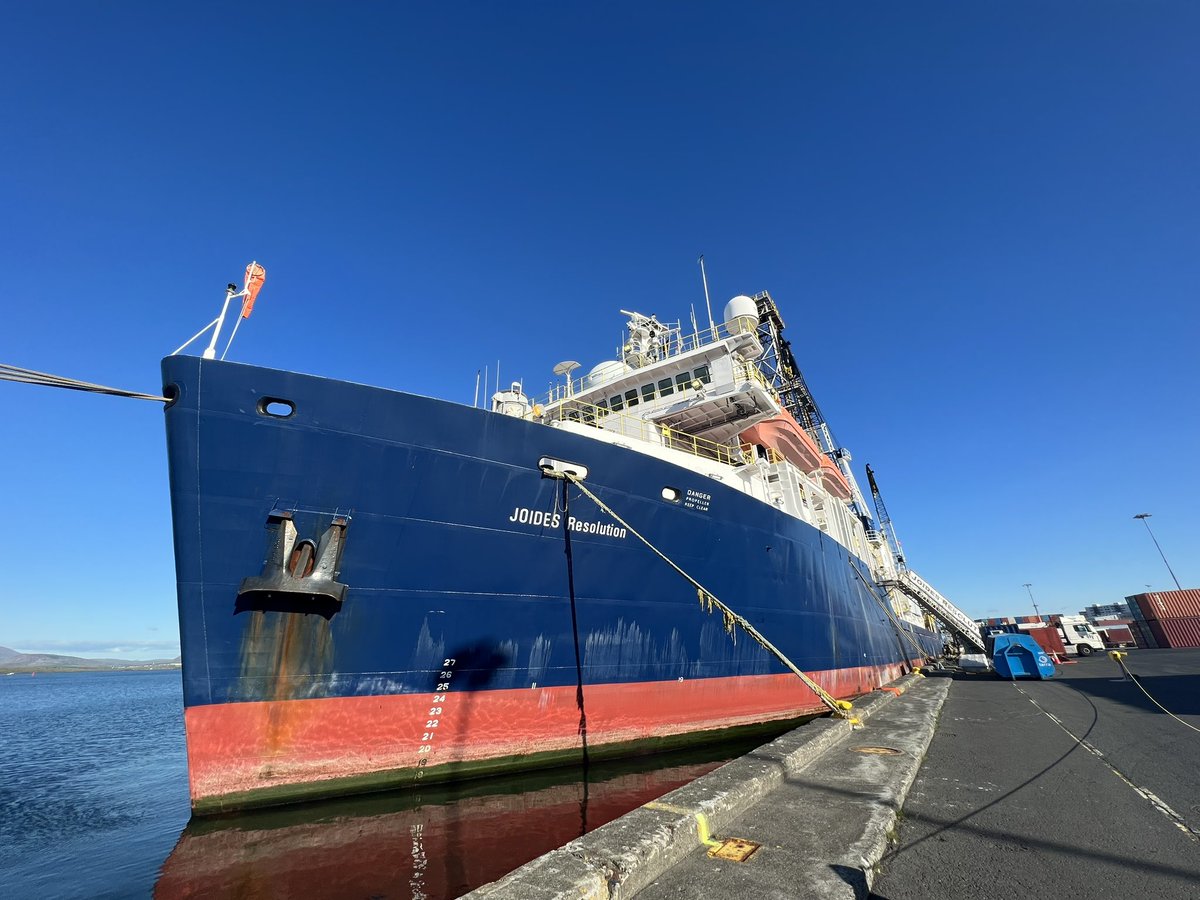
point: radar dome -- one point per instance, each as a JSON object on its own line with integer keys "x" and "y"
{"x": 741, "y": 315}
{"x": 606, "y": 371}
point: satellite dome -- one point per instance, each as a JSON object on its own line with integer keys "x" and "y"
{"x": 606, "y": 371}
{"x": 741, "y": 315}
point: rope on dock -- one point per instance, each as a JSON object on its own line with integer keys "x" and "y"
{"x": 707, "y": 600}
{"x": 1119, "y": 658}
{"x": 29, "y": 376}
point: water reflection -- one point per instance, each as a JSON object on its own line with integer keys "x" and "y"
{"x": 438, "y": 843}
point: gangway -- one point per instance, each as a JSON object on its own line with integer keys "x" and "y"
{"x": 930, "y": 600}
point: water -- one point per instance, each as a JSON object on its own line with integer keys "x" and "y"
{"x": 93, "y": 781}
{"x": 93, "y": 803}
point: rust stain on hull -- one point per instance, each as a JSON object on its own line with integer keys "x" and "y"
{"x": 284, "y": 655}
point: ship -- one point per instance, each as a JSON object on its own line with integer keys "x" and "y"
{"x": 379, "y": 590}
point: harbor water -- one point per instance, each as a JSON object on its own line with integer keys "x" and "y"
{"x": 94, "y": 803}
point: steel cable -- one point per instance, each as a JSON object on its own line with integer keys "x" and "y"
{"x": 30, "y": 376}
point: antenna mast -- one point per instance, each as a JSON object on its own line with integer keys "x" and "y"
{"x": 707, "y": 303}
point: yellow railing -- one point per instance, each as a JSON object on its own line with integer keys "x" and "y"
{"x": 661, "y": 435}
{"x": 751, "y": 372}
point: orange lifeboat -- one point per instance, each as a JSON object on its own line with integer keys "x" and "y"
{"x": 787, "y": 437}
{"x": 833, "y": 480}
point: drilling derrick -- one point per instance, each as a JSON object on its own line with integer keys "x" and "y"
{"x": 779, "y": 366}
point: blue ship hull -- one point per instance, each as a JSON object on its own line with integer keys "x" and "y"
{"x": 456, "y": 647}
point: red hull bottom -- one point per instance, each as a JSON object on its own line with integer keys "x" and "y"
{"x": 268, "y": 752}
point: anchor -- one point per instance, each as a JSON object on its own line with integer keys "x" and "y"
{"x": 298, "y": 575}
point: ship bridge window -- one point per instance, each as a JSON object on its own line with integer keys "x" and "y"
{"x": 701, "y": 374}
{"x": 671, "y": 494}
{"x": 616, "y": 404}
{"x": 665, "y": 388}
{"x": 647, "y": 392}
{"x": 602, "y": 405}
{"x": 682, "y": 380}
{"x": 631, "y": 397}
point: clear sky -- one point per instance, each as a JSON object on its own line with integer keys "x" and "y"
{"x": 980, "y": 221}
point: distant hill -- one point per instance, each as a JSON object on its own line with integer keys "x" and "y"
{"x": 11, "y": 660}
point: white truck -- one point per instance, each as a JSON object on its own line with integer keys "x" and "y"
{"x": 1078, "y": 636}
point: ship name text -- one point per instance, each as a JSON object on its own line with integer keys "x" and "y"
{"x": 523, "y": 515}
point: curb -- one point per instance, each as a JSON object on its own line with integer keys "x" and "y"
{"x": 622, "y": 857}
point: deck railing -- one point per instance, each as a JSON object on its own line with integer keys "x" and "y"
{"x": 676, "y": 345}
{"x": 660, "y": 435}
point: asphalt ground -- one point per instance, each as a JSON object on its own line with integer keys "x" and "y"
{"x": 1009, "y": 804}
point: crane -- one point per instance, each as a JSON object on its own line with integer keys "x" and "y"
{"x": 928, "y": 598}
{"x": 885, "y": 520}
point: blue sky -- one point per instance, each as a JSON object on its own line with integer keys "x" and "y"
{"x": 980, "y": 222}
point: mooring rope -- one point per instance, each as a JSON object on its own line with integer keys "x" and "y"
{"x": 707, "y": 600}
{"x": 1119, "y": 658}
{"x": 890, "y": 614}
{"x": 29, "y": 376}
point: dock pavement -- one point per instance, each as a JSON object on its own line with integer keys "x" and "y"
{"x": 958, "y": 787}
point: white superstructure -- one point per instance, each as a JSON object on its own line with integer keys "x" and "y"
{"x": 689, "y": 399}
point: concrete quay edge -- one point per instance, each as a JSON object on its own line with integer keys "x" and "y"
{"x": 620, "y": 858}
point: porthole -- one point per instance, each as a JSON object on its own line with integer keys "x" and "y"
{"x": 276, "y": 408}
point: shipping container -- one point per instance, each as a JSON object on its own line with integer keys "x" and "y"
{"x": 1177, "y": 632}
{"x": 1047, "y": 636}
{"x": 1117, "y": 636}
{"x": 1048, "y": 639}
{"x": 1143, "y": 636}
{"x": 1168, "y": 604}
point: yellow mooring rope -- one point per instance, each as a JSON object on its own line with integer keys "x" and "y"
{"x": 1119, "y": 658}
{"x": 708, "y": 601}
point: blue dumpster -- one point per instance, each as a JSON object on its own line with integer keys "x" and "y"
{"x": 1019, "y": 656}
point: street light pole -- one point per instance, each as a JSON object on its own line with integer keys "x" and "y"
{"x": 1028, "y": 585}
{"x": 1144, "y": 517}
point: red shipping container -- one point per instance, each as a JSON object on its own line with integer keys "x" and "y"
{"x": 1115, "y": 635}
{"x": 1048, "y": 639}
{"x": 1177, "y": 632}
{"x": 1169, "y": 604}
